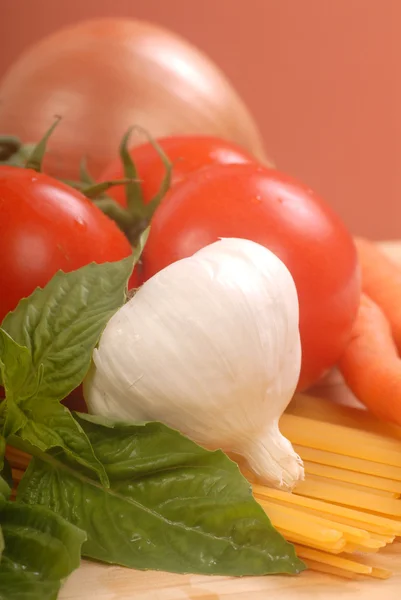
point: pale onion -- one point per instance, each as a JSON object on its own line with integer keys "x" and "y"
{"x": 104, "y": 76}
{"x": 210, "y": 346}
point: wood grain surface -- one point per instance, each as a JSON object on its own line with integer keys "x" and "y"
{"x": 99, "y": 582}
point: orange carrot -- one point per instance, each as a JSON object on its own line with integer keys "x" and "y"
{"x": 381, "y": 281}
{"x": 370, "y": 364}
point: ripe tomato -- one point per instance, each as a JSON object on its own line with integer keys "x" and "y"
{"x": 104, "y": 75}
{"x": 46, "y": 226}
{"x": 252, "y": 202}
{"x": 187, "y": 153}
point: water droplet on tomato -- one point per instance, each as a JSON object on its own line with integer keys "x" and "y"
{"x": 81, "y": 224}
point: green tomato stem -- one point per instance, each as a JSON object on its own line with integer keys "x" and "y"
{"x": 134, "y": 219}
{"x": 35, "y": 159}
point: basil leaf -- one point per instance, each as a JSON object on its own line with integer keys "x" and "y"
{"x": 43, "y": 423}
{"x": 2, "y": 451}
{"x": 143, "y": 238}
{"x": 17, "y": 586}
{"x": 61, "y": 323}
{"x": 39, "y": 541}
{"x": 40, "y": 550}
{"x": 16, "y": 365}
{"x": 171, "y": 506}
{"x": 20, "y": 381}
{"x": 51, "y": 425}
{"x": 5, "y": 489}
{"x": 1, "y": 543}
{"x": 6, "y": 480}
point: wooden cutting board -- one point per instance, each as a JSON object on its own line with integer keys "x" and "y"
{"x": 95, "y": 581}
{"x": 98, "y": 582}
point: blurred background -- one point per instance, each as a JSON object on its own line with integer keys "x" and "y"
{"x": 321, "y": 77}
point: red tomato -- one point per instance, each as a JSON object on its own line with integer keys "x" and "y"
{"x": 104, "y": 75}
{"x": 188, "y": 153}
{"x": 46, "y": 226}
{"x": 252, "y": 202}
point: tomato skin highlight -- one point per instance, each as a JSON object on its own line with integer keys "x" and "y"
{"x": 187, "y": 153}
{"x": 46, "y": 226}
{"x": 263, "y": 205}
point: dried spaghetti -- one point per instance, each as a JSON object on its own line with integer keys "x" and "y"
{"x": 349, "y": 507}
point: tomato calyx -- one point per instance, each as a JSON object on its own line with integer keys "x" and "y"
{"x": 135, "y": 202}
{"x": 140, "y": 213}
{"x": 136, "y": 217}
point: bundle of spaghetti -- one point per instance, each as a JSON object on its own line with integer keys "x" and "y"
{"x": 349, "y": 506}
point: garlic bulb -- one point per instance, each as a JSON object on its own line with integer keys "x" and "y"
{"x": 209, "y": 346}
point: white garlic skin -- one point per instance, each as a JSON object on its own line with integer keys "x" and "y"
{"x": 209, "y": 346}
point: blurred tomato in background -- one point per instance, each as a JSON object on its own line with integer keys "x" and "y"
{"x": 321, "y": 79}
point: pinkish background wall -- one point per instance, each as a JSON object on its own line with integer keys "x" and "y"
{"x": 322, "y": 77}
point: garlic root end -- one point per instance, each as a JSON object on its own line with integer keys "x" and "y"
{"x": 274, "y": 462}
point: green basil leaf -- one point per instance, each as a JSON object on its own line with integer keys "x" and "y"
{"x": 171, "y": 506}
{"x": 1, "y": 543}
{"x": 21, "y": 382}
{"x": 39, "y": 541}
{"x": 5, "y": 489}
{"x": 40, "y": 550}
{"x": 17, "y": 586}
{"x": 42, "y": 422}
{"x": 143, "y": 238}
{"x": 15, "y": 419}
{"x": 6, "y": 480}
{"x": 19, "y": 377}
{"x": 51, "y": 425}
{"x": 2, "y": 451}
{"x": 61, "y": 323}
